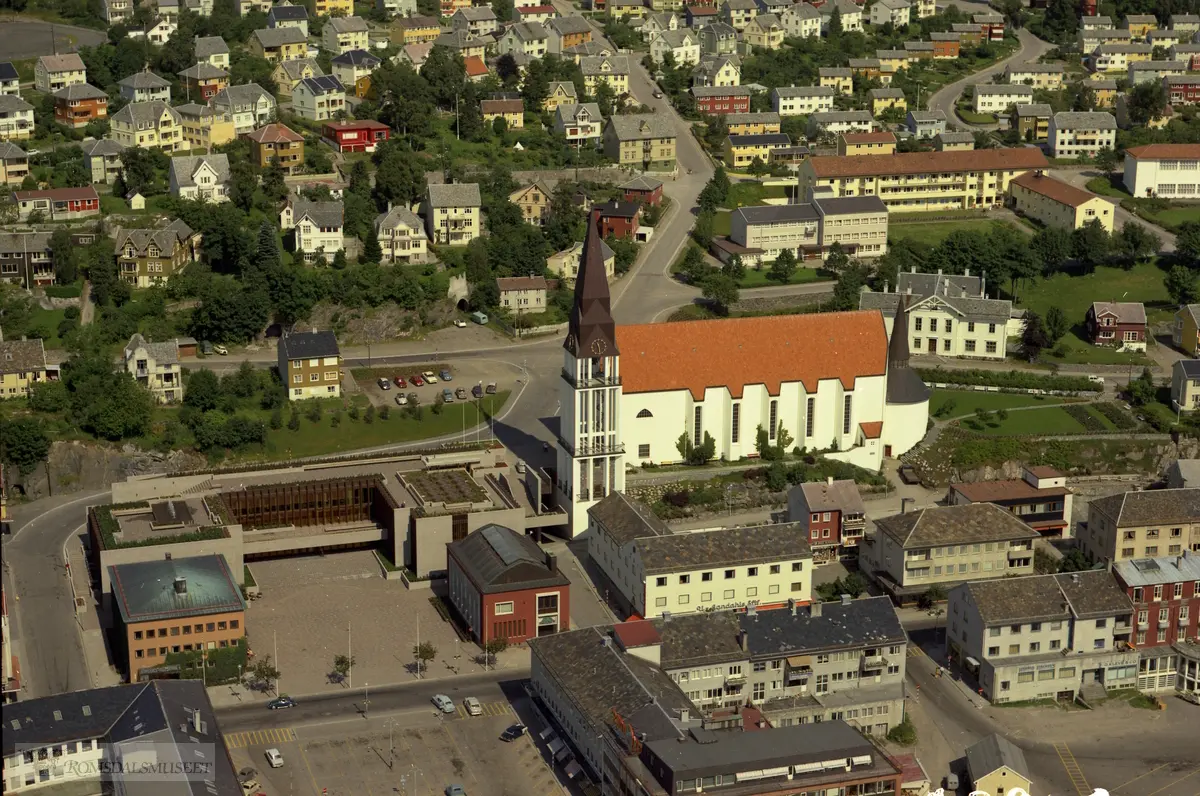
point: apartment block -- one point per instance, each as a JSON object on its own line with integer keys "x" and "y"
{"x": 802, "y": 100}
{"x": 1166, "y": 609}
{"x": 1057, "y": 204}
{"x": 809, "y": 229}
{"x": 1167, "y": 170}
{"x": 833, "y": 516}
{"x": 452, "y": 213}
{"x": 999, "y": 98}
{"x": 1149, "y": 524}
{"x": 310, "y": 364}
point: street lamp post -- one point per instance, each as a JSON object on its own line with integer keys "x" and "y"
{"x": 366, "y": 700}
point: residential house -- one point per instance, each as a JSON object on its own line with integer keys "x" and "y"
{"x": 512, "y": 111}
{"x": 740, "y": 151}
{"x": 533, "y": 201}
{"x": 925, "y": 124}
{"x": 154, "y": 125}
{"x": 16, "y": 118}
{"x": 721, "y": 100}
{"x": 697, "y": 16}
{"x": 10, "y": 80}
{"x": 148, "y": 257}
{"x": 566, "y": 263}
{"x": 656, "y": 24}
{"x": 896, "y": 12}
{"x": 78, "y": 105}
{"x": 1118, "y": 57}
{"x": 718, "y": 71}
{"x": 802, "y": 100}
{"x": 1182, "y": 89}
{"x": 1185, "y": 23}
{"x": 620, "y": 219}
{"x": 562, "y": 92}
{"x": 1185, "y": 385}
{"x": 1139, "y": 25}
{"x": 286, "y": 15}
{"x": 213, "y": 51}
{"x": 520, "y": 294}
{"x": 1032, "y": 121}
{"x": 14, "y": 164}
{"x": 145, "y": 86}
{"x": 613, "y": 70}
{"x": 249, "y": 104}
{"x": 999, "y": 98}
{"x": 288, "y": 74}
{"x": 22, "y": 364}
{"x": 117, "y": 11}
{"x": 541, "y": 13}
{"x": 1165, "y": 592}
{"x": 1167, "y": 38}
{"x": 203, "y": 178}
{"x": 1043, "y": 636}
{"x": 318, "y": 226}
{"x": 334, "y": 8}
{"x": 102, "y": 159}
{"x": 851, "y": 14}
{"x": 830, "y": 123}
{"x": 452, "y": 213}
{"x": 530, "y": 38}
{"x": 1040, "y": 498}
{"x": 311, "y": 365}
{"x": 353, "y": 69}
{"x": 682, "y": 45}
{"x": 401, "y": 236}
{"x": 643, "y": 190}
{"x": 1087, "y": 23}
{"x": 996, "y": 763}
{"x": 881, "y": 143}
{"x": 831, "y": 517}
{"x": 205, "y": 127}
{"x": 970, "y": 34}
{"x": 765, "y": 31}
{"x": 1104, "y": 91}
{"x": 883, "y": 99}
{"x": 1186, "y": 331}
{"x": 1154, "y": 71}
{"x": 869, "y": 68}
{"x": 203, "y": 81}
{"x": 1043, "y": 76}
{"x": 1119, "y": 323}
{"x": 923, "y": 50}
{"x": 752, "y": 123}
{"x": 946, "y": 46}
{"x": 57, "y": 204}
{"x": 944, "y": 546}
{"x": 580, "y": 124}
{"x": 895, "y": 60}
{"x": 279, "y": 44}
{"x": 479, "y": 21}
{"x": 1186, "y": 52}
{"x": 417, "y": 29}
{"x": 1148, "y": 165}
{"x": 1147, "y": 524}
{"x": 477, "y": 70}
{"x": 642, "y": 141}
{"x": 801, "y": 21}
{"x": 738, "y": 13}
{"x": 52, "y": 72}
{"x": 718, "y": 38}
{"x": 948, "y": 315}
{"x": 1057, "y": 204}
{"x": 277, "y": 143}
{"x": 358, "y": 136}
{"x": 991, "y": 26}
{"x": 319, "y": 99}
{"x": 155, "y": 366}
{"x": 415, "y": 55}
{"x": 840, "y": 79}
{"x": 343, "y": 34}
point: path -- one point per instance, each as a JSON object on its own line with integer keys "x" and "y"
{"x": 1032, "y": 48}
{"x": 28, "y": 38}
{"x": 87, "y": 310}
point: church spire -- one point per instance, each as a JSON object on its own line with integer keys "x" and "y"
{"x": 592, "y": 331}
{"x": 898, "y": 346}
{"x": 904, "y": 386}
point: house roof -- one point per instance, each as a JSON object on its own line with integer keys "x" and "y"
{"x": 163, "y": 353}
{"x": 1003, "y": 89}
{"x": 1008, "y": 489}
{"x": 348, "y": 24}
{"x": 1155, "y": 571}
{"x": 1056, "y": 190}
{"x": 309, "y": 345}
{"x": 1125, "y": 311}
{"x": 1081, "y": 595}
{"x": 1169, "y": 151}
{"x": 1039, "y": 69}
{"x": 286, "y": 11}
{"x": 594, "y": 65}
{"x": 1150, "y": 507}
{"x": 974, "y": 522}
{"x": 642, "y": 183}
{"x": 462, "y": 194}
{"x": 641, "y": 126}
{"x": 760, "y": 139}
{"x": 68, "y": 62}
{"x": 1038, "y": 109}
{"x": 772, "y": 214}
{"x": 145, "y": 113}
{"x": 12, "y": 103}
{"x": 760, "y": 117}
{"x": 8, "y": 71}
{"x": 626, "y": 519}
{"x": 886, "y": 93}
{"x": 322, "y": 84}
{"x": 21, "y": 356}
{"x": 277, "y": 37}
{"x": 722, "y": 547}
{"x": 210, "y": 45}
{"x": 165, "y": 237}
{"x": 832, "y": 117}
{"x": 275, "y": 134}
{"x": 882, "y": 137}
{"x": 919, "y": 116}
{"x": 80, "y": 91}
{"x": 183, "y": 169}
{"x": 10, "y": 151}
{"x": 357, "y": 58}
{"x": 1087, "y": 121}
{"x": 841, "y": 495}
{"x": 488, "y": 106}
{"x": 59, "y": 194}
{"x": 475, "y": 66}
{"x": 497, "y": 559}
{"x": 720, "y": 91}
{"x": 618, "y": 208}
{"x": 507, "y": 283}
{"x": 202, "y": 70}
{"x": 1190, "y": 368}
{"x": 476, "y": 13}
{"x": 993, "y": 752}
{"x": 146, "y": 591}
{"x": 294, "y": 67}
{"x": 696, "y": 355}
{"x": 566, "y": 86}
{"x": 571, "y": 111}
{"x": 398, "y": 215}
{"x": 569, "y": 25}
{"x": 926, "y": 162}
{"x": 144, "y": 80}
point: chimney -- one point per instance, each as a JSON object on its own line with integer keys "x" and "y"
{"x": 904, "y": 504}
{"x": 939, "y": 273}
{"x": 983, "y": 284}
{"x": 552, "y": 562}
{"x": 966, "y": 272}
{"x": 181, "y": 585}
{"x": 744, "y": 640}
{"x": 845, "y": 599}
{"x": 666, "y": 616}
{"x": 684, "y": 714}
{"x": 814, "y": 610}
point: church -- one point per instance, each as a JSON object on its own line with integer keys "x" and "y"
{"x": 831, "y": 382}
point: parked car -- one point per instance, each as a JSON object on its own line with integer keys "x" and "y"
{"x": 401, "y": 399}
{"x": 274, "y": 758}
{"x": 491, "y": 388}
{"x": 658, "y": 94}
{"x": 513, "y": 733}
{"x": 443, "y": 703}
{"x": 282, "y": 702}
{"x": 417, "y": 381}
{"x": 430, "y": 377}
{"x": 908, "y": 475}
{"x": 473, "y": 707}
{"x": 220, "y": 349}
{"x": 455, "y": 790}
{"x": 400, "y": 382}
{"x": 448, "y": 396}
{"x": 460, "y": 323}
{"x": 206, "y": 348}
{"x": 384, "y": 384}
{"x": 446, "y": 375}
{"x": 461, "y": 393}
{"x": 477, "y": 391}
{"x": 520, "y": 467}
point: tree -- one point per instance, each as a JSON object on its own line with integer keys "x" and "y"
{"x": 263, "y": 672}
{"x": 835, "y": 22}
{"x": 424, "y": 653}
{"x": 1056, "y": 324}
{"x": 243, "y": 182}
{"x": 1142, "y": 390}
{"x": 273, "y": 185}
{"x": 65, "y": 256}
{"x": 1137, "y": 242}
{"x": 203, "y": 390}
{"x": 1051, "y": 247}
{"x": 696, "y": 454}
{"x": 1091, "y": 244}
{"x": 24, "y": 442}
{"x": 1187, "y": 240}
{"x": 783, "y": 267}
{"x": 139, "y": 169}
{"x": 342, "y": 664}
{"x": 734, "y": 268}
{"x": 1146, "y": 102}
{"x": 703, "y": 232}
{"x": 1106, "y": 159}
{"x": 692, "y": 267}
{"x": 1074, "y": 561}
{"x": 932, "y": 596}
{"x": 837, "y": 259}
{"x": 849, "y": 286}
{"x": 1181, "y": 285}
{"x": 399, "y": 175}
{"x": 721, "y": 290}
{"x": 1034, "y": 338}
{"x": 371, "y": 252}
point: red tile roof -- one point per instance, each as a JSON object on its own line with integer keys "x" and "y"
{"x": 361, "y": 124}
{"x": 1153, "y": 151}
{"x": 637, "y": 633}
{"x": 274, "y": 134}
{"x": 928, "y": 162}
{"x": 1054, "y": 189}
{"x": 475, "y": 66}
{"x": 872, "y": 430}
{"x": 1044, "y": 471}
{"x": 1015, "y": 489}
{"x": 696, "y": 355}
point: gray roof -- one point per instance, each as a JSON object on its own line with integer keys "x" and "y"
{"x": 8, "y": 71}
{"x": 210, "y": 45}
{"x": 760, "y": 139}
{"x": 770, "y": 214}
{"x": 286, "y": 11}
{"x": 357, "y": 58}
{"x": 569, "y": 111}
{"x": 463, "y": 194}
{"x": 849, "y": 205}
{"x": 498, "y": 559}
{"x": 1044, "y": 69}
{"x": 684, "y": 36}
{"x": 626, "y": 519}
{"x": 1038, "y": 109}
{"x": 67, "y": 62}
{"x": 398, "y": 215}
{"x": 918, "y": 46}
{"x": 1190, "y": 368}
{"x": 641, "y": 183}
{"x": 788, "y": 92}
{"x": 477, "y": 13}
{"x": 834, "y": 71}
{"x": 348, "y": 24}
{"x": 277, "y": 37}
{"x": 569, "y": 24}
{"x": 145, "y": 591}
{"x": 185, "y": 167}
{"x": 593, "y": 64}
{"x": 974, "y": 522}
{"x": 886, "y": 93}
{"x": 955, "y": 137}
{"x": 164, "y": 237}
{"x": 565, "y": 85}
{"x": 1155, "y": 571}
{"x": 10, "y": 151}
{"x": 760, "y": 117}
{"x": 839, "y": 495}
{"x": 830, "y": 117}
{"x": 18, "y": 356}
{"x": 294, "y": 67}
{"x": 1140, "y": 19}
{"x": 722, "y": 547}
{"x": 927, "y": 116}
{"x": 79, "y": 91}
{"x": 322, "y": 84}
{"x": 140, "y": 113}
{"x": 946, "y": 289}
{"x": 1110, "y": 85}
{"x": 640, "y": 126}
{"x": 101, "y": 147}
{"x": 11, "y": 103}
{"x": 993, "y": 752}
{"x": 1150, "y": 507}
{"x": 529, "y": 31}
{"x": 1125, "y": 311}
{"x": 309, "y": 345}
{"x": 202, "y": 70}
{"x": 162, "y": 353}
{"x": 1158, "y": 66}
{"x": 323, "y": 214}
{"x": 1082, "y": 595}
{"x": 19, "y": 243}
{"x": 864, "y": 63}
{"x": 143, "y": 80}
{"x": 240, "y": 96}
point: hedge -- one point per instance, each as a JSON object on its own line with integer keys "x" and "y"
{"x": 109, "y": 527}
{"x": 64, "y": 291}
{"x": 1116, "y": 415}
{"x": 1013, "y": 379}
{"x": 225, "y": 664}
{"x": 1086, "y": 419}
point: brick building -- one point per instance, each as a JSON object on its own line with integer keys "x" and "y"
{"x": 719, "y": 100}
{"x": 833, "y": 515}
{"x": 619, "y": 219}
{"x": 359, "y": 136}
{"x": 1166, "y": 606}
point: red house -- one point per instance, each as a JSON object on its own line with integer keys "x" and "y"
{"x": 697, "y": 15}
{"x": 992, "y": 26}
{"x": 833, "y": 514}
{"x": 503, "y": 586}
{"x": 619, "y": 219}
{"x": 75, "y": 106}
{"x": 1183, "y": 89}
{"x": 1166, "y": 603}
{"x": 719, "y": 100}
{"x": 359, "y": 136}
{"x": 57, "y": 204}
{"x": 1119, "y": 323}
{"x": 643, "y": 190}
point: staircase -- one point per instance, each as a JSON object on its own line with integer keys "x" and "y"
{"x": 1093, "y": 693}
{"x": 198, "y": 487}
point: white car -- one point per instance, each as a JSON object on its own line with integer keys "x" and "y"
{"x": 473, "y": 707}
{"x": 460, "y": 323}
{"x": 274, "y": 758}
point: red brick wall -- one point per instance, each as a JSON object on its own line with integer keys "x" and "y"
{"x": 718, "y": 105}
{"x": 816, "y": 530}
{"x": 521, "y": 624}
{"x": 1190, "y": 597}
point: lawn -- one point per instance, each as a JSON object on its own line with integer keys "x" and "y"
{"x": 722, "y": 222}
{"x": 1177, "y": 215}
{"x": 46, "y": 322}
{"x": 1105, "y": 187}
{"x": 1046, "y": 420}
{"x": 1074, "y": 293}
{"x": 110, "y": 205}
{"x": 743, "y": 194}
{"x": 967, "y": 401}
{"x": 963, "y": 108}
{"x": 758, "y": 278}
{"x": 1078, "y": 351}
{"x": 935, "y": 232}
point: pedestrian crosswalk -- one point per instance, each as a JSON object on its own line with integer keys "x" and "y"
{"x": 489, "y": 709}
{"x": 914, "y": 651}
{"x": 240, "y": 740}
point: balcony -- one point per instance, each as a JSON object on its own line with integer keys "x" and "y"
{"x": 1014, "y": 554}
{"x": 595, "y": 381}
{"x": 873, "y": 663}
{"x": 587, "y": 448}
{"x": 735, "y": 679}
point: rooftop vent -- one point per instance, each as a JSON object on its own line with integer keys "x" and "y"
{"x": 181, "y": 585}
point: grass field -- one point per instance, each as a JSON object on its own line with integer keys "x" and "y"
{"x": 1178, "y": 215}
{"x": 967, "y": 401}
{"x": 722, "y": 223}
{"x": 800, "y": 276}
{"x": 935, "y": 232}
{"x": 742, "y": 194}
{"x": 1075, "y": 293}
{"x": 1081, "y": 352}
{"x": 1047, "y": 420}
{"x": 47, "y": 321}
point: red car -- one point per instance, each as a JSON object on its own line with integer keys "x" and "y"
{"x": 417, "y": 381}
{"x": 400, "y": 382}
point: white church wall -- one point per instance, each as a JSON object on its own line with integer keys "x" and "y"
{"x": 904, "y": 426}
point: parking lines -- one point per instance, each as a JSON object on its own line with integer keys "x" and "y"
{"x": 1073, "y": 769}
{"x": 489, "y": 709}
{"x": 1172, "y": 784}
{"x": 240, "y": 740}
{"x": 914, "y": 651}
{"x": 1140, "y": 776}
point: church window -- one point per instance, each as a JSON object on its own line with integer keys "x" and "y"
{"x": 773, "y": 418}
{"x": 811, "y": 419}
{"x": 846, "y": 414}
{"x": 697, "y": 436}
{"x": 737, "y": 423}
{"x": 645, "y": 413}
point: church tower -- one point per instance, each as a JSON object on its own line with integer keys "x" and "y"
{"x": 591, "y": 461}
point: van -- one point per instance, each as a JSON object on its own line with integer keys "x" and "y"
{"x": 479, "y": 318}
{"x": 274, "y": 758}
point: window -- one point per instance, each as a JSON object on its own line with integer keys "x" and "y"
{"x": 991, "y": 346}
{"x": 737, "y": 423}
{"x": 1035, "y": 646}
{"x": 797, "y": 566}
{"x": 933, "y": 324}
{"x": 697, "y": 437}
{"x": 774, "y": 414}
{"x": 846, "y": 413}
{"x": 752, "y": 572}
{"x": 685, "y": 579}
{"x": 969, "y": 346}
{"x": 798, "y": 586}
{"x": 729, "y": 574}
{"x": 993, "y": 650}
{"x": 728, "y": 594}
{"x": 660, "y": 581}
{"x": 1158, "y": 591}
{"x": 1014, "y": 649}
{"x": 705, "y": 577}
{"x": 684, "y": 599}
{"x": 705, "y": 596}
{"x": 992, "y": 631}
{"x": 1178, "y": 591}
{"x": 812, "y": 411}
{"x": 644, "y": 451}
{"x": 1055, "y": 644}
{"x": 917, "y": 324}
{"x": 660, "y": 602}
{"x": 775, "y": 569}
{"x": 503, "y": 609}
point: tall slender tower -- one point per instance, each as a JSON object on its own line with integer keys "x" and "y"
{"x": 591, "y": 461}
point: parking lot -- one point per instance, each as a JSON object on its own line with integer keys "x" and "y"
{"x": 464, "y": 375}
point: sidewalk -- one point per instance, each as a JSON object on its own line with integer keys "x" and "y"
{"x": 88, "y": 620}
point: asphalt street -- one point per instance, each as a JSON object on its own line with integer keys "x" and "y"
{"x": 1032, "y": 48}
{"x": 25, "y": 38}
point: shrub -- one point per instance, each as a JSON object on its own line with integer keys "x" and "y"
{"x": 64, "y": 291}
{"x": 1013, "y": 379}
{"x": 903, "y": 733}
{"x": 1116, "y": 415}
{"x": 1086, "y": 419}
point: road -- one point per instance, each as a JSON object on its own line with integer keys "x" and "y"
{"x": 25, "y": 38}
{"x": 1032, "y": 48}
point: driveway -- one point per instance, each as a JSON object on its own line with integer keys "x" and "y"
{"x": 1032, "y": 48}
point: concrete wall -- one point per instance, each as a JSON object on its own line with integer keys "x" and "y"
{"x": 230, "y": 547}
{"x": 435, "y": 532}
{"x": 155, "y": 487}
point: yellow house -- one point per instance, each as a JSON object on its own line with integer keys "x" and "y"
{"x": 288, "y": 74}
{"x": 279, "y": 44}
{"x": 752, "y": 123}
{"x": 997, "y": 766}
{"x": 1105, "y": 92}
{"x": 853, "y": 144}
{"x": 1057, "y": 204}
{"x": 1187, "y": 329}
{"x": 512, "y": 111}
{"x": 562, "y": 92}
{"x": 765, "y": 31}
{"x": 1185, "y": 385}
{"x": 894, "y": 60}
{"x": 343, "y": 34}
{"x": 610, "y": 69}
{"x": 742, "y": 150}
{"x": 343, "y": 8}
{"x": 205, "y": 127}
{"x": 534, "y": 202}
{"x": 884, "y": 98}
{"x": 154, "y": 124}
{"x": 1139, "y": 25}
{"x": 22, "y": 364}
{"x": 415, "y": 30}
{"x": 840, "y": 78}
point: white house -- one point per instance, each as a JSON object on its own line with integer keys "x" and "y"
{"x": 52, "y": 72}
{"x": 998, "y": 98}
{"x": 1166, "y": 170}
{"x": 802, "y": 100}
{"x": 401, "y": 236}
{"x": 580, "y": 124}
{"x": 342, "y": 34}
{"x": 204, "y": 178}
{"x": 1074, "y": 134}
{"x": 801, "y": 21}
{"x": 213, "y": 51}
{"x": 156, "y": 367}
{"x": 894, "y": 11}
{"x": 319, "y": 98}
{"x": 682, "y": 44}
{"x": 318, "y": 226}
{"x": 249, "y": 104}
{"x": 145, "y": 86}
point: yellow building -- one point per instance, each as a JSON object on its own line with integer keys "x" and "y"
{"x": 205, "y": 127}
{"x": 310, "y": 363}
{"x": 534, "y": 202}
{"x": 330, "y": 7}
{"x": 512, "y": 111}
{"x": 1139, "y": 25}
{"x": 885, "y": 98}
{"x": 415, "y": 30}
{"x": 288, "y": 74}
{"x": 752, "y": 123}
{"x": 279, "y": 44}
{"x": 1057, "y": 204}
{"x": 562, "y": 92}
{"x": 644, "y": 141}
{"x": 1185, "y": 385}
{"x": 154, "y": 124}
{"x": 22, "y": 364}
{"x": 610, "y": 69}
{"x": 923, "y": 181}
{"x": 997, "y": 766}
{"x": 742, "y": 150}
{"x": 855, "y": 144}
{"x": 1105, "y": 92}
{"x": 1187, "y": 329}
{"x": 841, "y": 79}
{"x": 765, "y": 31}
